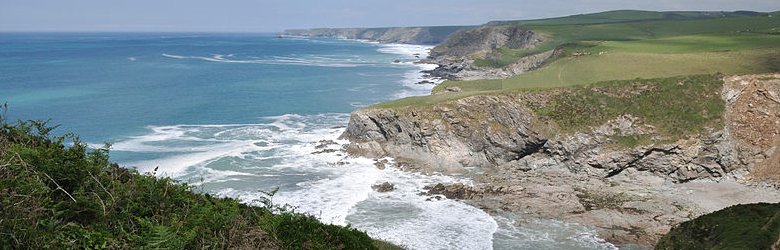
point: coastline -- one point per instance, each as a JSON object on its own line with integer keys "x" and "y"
{"x": 572, "y": 177}
{"x": 511, "y": 230}
{"x": 302, "y": 155}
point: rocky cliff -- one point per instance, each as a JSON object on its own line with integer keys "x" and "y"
{"x": 457, "y": 46}
{"x": 598, "y": 155}
{"x": 409, "y": 35}
{"x": 477, "y": 42}
{"x": 457, "y": 55}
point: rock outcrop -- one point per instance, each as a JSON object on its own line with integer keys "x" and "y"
{"x": 484, "y": 39}
{"x": 458, "y": 54}
{"x": 457, "y": 46}
{"x": 630, "y": 194}
{"x": 753, "y": 120}
{"x": 502, "y": 130}
{"x": 408, "y": 35}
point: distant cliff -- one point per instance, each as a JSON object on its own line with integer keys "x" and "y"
{"x": 484, "y": 39}
{"x": 460, "y": 55}
{"x": 409, "y": 35}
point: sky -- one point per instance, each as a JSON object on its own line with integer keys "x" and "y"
{"x": 277, "y": 15}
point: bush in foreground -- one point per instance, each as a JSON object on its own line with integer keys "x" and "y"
{"x": 55, "y": 193}
{"x": 752, "y": 226}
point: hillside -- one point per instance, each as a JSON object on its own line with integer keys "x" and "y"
{"x": 58, "y": 194}
{"x": 630, "y": 122}
{"x": 618, "y": 45}
{"x": 629, "y": 158}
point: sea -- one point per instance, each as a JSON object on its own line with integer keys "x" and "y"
{"x": 243, "y": 115}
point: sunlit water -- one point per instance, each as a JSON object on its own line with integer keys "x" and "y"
{"x": 240, "y": 115}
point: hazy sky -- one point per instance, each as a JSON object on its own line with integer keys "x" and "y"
{"x": 277, "y": 15}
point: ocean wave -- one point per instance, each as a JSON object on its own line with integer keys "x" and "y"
{"x": 415, "y": 82}
{"x": 516, "y": 232}
{"x": 237, "y": 160}
{"x": 318, "y": 62}
{"x": 407, "y": 50}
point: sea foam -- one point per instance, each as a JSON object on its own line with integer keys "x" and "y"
{"x": 303, "y": 61}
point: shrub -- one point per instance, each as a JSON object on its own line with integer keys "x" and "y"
{"x": 59, "y": 194}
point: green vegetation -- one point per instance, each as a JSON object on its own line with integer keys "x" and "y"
{"x": 623, "y": 16}
{"x": 631, "y": 141}
{"x": 676, "y": 107}
{"x": 58, "y": 194}
{"x": 622, "y": 45}
{"x": 572, "y": 71}
{"x": 637, "y": 25}
{"x": 753, "y": 226}
{"x": 628, "y": 45}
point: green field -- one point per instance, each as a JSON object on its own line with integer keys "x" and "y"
{"x": 625, "y": 45}
{"x": 638, "y": 25}
{"x": 630, "y": 65}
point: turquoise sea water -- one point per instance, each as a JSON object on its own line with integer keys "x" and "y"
{"x": 242, "y": 113}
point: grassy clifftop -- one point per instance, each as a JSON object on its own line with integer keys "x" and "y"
{"x": 58, "y": 194}
{"x": 627, "y": 45}
{"x": 635, "y": 25}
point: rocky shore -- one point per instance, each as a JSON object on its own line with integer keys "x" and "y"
{"x": 456, "y": 56}
{"x": 523, "y": 164}
{"x": 631, "y": 194}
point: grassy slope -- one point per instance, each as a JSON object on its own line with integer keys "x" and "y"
{"x": 667, "y": 104}
{"x": 677, "y": 106}
{"x": 69, "y": 197}
{"x": 635, "y": 25}
{"x": 753, "y": 226}
{"x": 623, "y": 66}
{"x": 624, "y": 45}
{"x": 631, "y": 50}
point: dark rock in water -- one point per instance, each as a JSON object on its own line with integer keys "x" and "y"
{"x": 397, "y": 61}
{"x": 384, "y": 187}
{"x": 324, "y": 144}
{"x": 460, "y": 191}
{"x": 416, "y": 56}
{"x": 425, "y": 82}
{"x": 432, "y": 198}
{"x": 455, "y": 191}
{"x": 381, "y": 164}
{"x": 327, "y": 150}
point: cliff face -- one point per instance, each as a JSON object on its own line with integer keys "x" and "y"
{"x": 624, "y": 176}
{"x": 503, "y": 130}
{"x": 482, "y": 40}
{"x": 506, "y": 130}
{"x": 458, "y": 54}
{"x": 408, "y": 35}
{"x": 457, "y": 46}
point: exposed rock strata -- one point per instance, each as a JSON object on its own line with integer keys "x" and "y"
{"x": 484, "y": 39}
{"x": 525, "y": 165}
{"x": 457, "y": 55}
